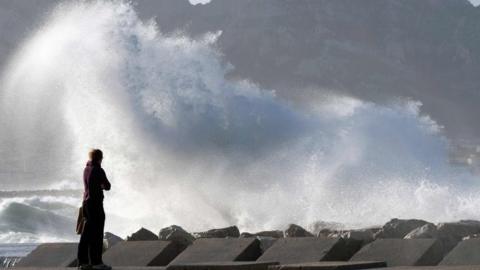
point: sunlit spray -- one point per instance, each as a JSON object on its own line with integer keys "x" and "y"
{"x": 183, "y": 145}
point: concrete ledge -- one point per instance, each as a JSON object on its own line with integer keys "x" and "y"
{"x": 116, "y": 268}
{"x": 463, "y": 267}
{"x": 223, "y": 266}
{"x": 141, "y": 253}
{"x": 206, "y": 250}
{"x": 51, "y": 255}
{"x": 329, "y": 266}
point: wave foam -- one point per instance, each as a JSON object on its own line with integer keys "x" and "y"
{"x": 184, "y": 145}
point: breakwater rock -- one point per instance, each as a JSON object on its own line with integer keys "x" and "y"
{"x": 399, "y": 242}
{"x": 142, "y": 235}
{"x": 177, "y": 235}
{"x": 231, "y": 231}
{"x": 447, "y": 233}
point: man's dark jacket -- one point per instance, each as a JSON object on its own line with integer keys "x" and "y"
{"x": 95, "y": 181}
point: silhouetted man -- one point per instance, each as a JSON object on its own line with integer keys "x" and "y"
{"x": 91, "y": 241}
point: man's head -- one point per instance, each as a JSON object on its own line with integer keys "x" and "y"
{"x": 96, "y": 156}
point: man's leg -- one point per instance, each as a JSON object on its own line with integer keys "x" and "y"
{"x": 83, "y": 245}
{"x": 82, "y": 255}
{"x": 96, "y": 246}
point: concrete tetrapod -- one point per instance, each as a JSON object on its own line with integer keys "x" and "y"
{"x": 402, "y": 252}
{"x": 308, "y": 249}
{"x": 206, "y": 250}
{"x": 466, "y": 252}
{"x": 51, "y": 255}
{"x": 141, "y": 253}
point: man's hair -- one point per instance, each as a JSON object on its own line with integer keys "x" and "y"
{"x": 95, "y": 155}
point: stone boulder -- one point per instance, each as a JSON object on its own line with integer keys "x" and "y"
{"x": 428, "y": 230}
{"x": 472, "y": 236}
{"x": 142, "y": 235}
{"x": 325, "y": 233}
{"x": 231, "y": 231}
{"x": 110, "y": 239}
{"x": 247, "y": 235}
{"x": 470, "y": 222}
{"x": 399, "y": 228}
{"x": 451, "y": 233}
{"x": 294, "y": 230}
{"x": 271, "y": 234}
{"x": 375, "y": 230}
{"x": 177, "y": 235}
{"x": 318, "y": 226}
{"x": 448, "y": 234}
{"x": 362, "y": 236}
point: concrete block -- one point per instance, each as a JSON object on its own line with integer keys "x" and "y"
{"x": 219, "y": 250}
{"x": 141, "y": 253}
{"x": 51, "y": 255}
{"x": 402, "y": 252}
{"x": 325, "y": 265}
{"x": 465, "y": 253}
{"x": 223, "y": 266}
{"x": 307, "y": 249}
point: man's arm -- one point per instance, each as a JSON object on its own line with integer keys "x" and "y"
{"x": 105, "y": 184}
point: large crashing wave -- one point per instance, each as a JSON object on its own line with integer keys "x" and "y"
{"x": 184, "y": 145}
{"x": 36, "y": 216}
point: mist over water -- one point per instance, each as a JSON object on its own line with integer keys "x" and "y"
{"x": 183, "y": 145}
